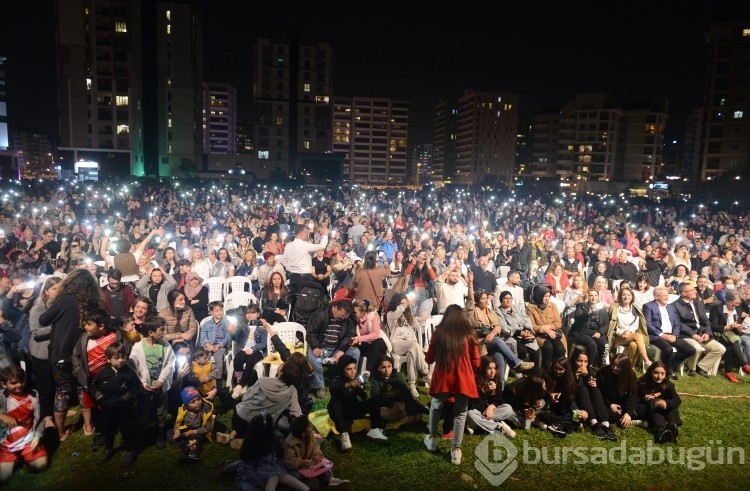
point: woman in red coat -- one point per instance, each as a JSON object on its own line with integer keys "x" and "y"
{"x": 455, "y": 351}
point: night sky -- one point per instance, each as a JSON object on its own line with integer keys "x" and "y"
{"x": 633, "y": 51}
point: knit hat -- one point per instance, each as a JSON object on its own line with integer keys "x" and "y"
{"x": 188, "y": 394}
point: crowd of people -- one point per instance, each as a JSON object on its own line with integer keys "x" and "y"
{"x": 104, "y": 287}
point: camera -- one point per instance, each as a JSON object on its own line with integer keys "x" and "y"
{"x": 362, "y": 378}
{"x": 254, "y": 323}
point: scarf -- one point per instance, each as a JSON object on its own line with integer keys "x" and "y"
{"x": 190, "y": 292}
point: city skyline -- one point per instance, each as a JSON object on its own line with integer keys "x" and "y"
{"x": 546, "y": 57}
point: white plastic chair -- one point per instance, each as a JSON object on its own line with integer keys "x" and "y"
{"x": 235, "y": 284}
{"x": 238, "y": 298}
{"x": 287, "y": 331}
{"x": 429, "y": 328}
{"x": 215, "y": 289}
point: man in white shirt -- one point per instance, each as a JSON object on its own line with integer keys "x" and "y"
{"x": 297, "y": 257}
{"x": 451, "y": 289}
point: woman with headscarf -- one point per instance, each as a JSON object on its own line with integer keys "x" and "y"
{"x": 547, "y": 324}
{"x": 196, "y": 294}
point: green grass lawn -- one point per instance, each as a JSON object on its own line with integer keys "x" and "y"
{"x": 405, "y": 464}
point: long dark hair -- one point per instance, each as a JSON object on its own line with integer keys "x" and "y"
{"x": 626, "y": 383}
{"x": 530, "y": 390}
{"x": 371, "y": 260}
{"x": 481, "y": 378}
{"x": 395, "y": 301}
{"x": 647, "y": 379}
{"x": 82, "y": 285}
{"x": 260, "y": 438}
{"x": 452, "y": 335}
{"x": 564, "y": 384}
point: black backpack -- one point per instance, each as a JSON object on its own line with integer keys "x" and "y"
{"x": 306, "y": 301}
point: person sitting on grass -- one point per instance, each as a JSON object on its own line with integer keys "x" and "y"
{"x": 526, "y": 397}
{"x": 590, "y": 399}
{"x": 388, "y": 386}
{"x": 21, "y": 423}
{"x": 302, "y": 451}
{"x": 349, "y": 401}
{"x": 261, "y": 457}
{"x": 560, "y": 415}
{"x": 193, "y": 425}
{"x": 617, "y": 384}
{"x": 489, "y": 410}
{"x": 660, "y": 403}
{"x": 276, "y": 396}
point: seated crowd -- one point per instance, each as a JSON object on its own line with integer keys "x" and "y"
{"x": 527, "y": 326}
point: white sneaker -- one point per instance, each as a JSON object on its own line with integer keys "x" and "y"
{"x": 346, "y": 442}
{"x": 377, "y": 435}
{"x": 456, "y": 456}
{"x": 639, "y": 423}
{"x": 469, "y": 430}
{"x": 506, "y": 430}
{"x": 413, "y": 390}
{"x": 237, "y": 391}
{"x": 336, "y": 482}
{"x": 431, "y": 443}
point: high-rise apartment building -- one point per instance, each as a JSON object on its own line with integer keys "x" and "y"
{"x": 129, "y": 85}
{"x": 444, "y": 141}
{"x": 219, "y": 118}
{"x": 292, "y": 91}
{"x": 371, "y": 136}
{"x": 725, "y": 142}
{"x": 593, "y": 138}
{"x": 486, "y": 129}
{"x": 421, "y": 165}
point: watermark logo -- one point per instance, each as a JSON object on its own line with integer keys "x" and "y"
{"x": 498, "y": 457}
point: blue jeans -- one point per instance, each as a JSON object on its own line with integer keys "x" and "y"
{"x": 317, "y": 363}
{"x": 459, "y": 416}
{"x": 500, "y": 350}
{"x": 422, "y": 303}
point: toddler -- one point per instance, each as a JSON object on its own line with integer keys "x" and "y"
{"x": 21, "y": 423}
{"x": 205, "y": 372}
{"x": 193, "y": 425}
{"x": 117, "y": 388}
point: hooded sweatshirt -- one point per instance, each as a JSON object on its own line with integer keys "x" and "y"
{"x": 270, "y": 394}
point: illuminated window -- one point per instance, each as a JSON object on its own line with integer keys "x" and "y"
{"x": 279, "y": 120}
{"x": 263, "y": 155}
{"x": 169, "y": 28}
{"x": 650, "y": 129}
{"x": 121, "y": 100}
{"x": 88, "y": 84}
{"x": 86, "y": 10}
{"x": 169, "y": 15}
{"x": 306, "y": 87}
{"x": 306, "y": 144}
{"x": 169, "y": 148}
{"x": 169, "y": 82}
{"x": 746, "y": 32}
{"x": 121, "y": 26}
{"x": 169, "y": 122}
{"x": 123, "y": 129}
{"x": 738, "y": 114}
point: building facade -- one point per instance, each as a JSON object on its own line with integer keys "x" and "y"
{"x": 371, "y": 136}
{"x": 725, "y": 142}
{"x": 292, "y": 97}
{"x": 219, "y": 118}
